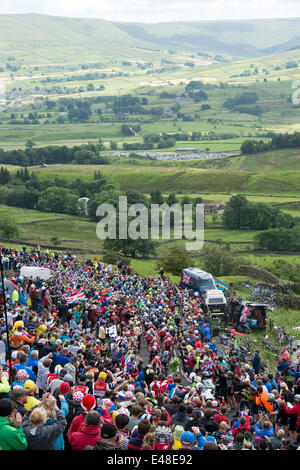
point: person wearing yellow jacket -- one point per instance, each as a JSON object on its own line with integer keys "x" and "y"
{"x": 4, "y": 385}
{"x": 31, "y": 400}
{"x": 15, "y": 296}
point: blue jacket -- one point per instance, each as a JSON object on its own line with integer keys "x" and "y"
{"x": 263, "y": 432}
{"x": 201, "y": 441}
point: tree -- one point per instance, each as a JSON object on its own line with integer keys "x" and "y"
{"x": 195, "y": 90}
{"x": 156, "y": 197}
{"x": 109, "y": 193}
{"x": 171, "y": 199}
{"x": 236, "y": 212}
{"x": 247, "y": 97}
{"x": 113, "y": 145}
{"x": 176, "y": 107}
{"x": 130, "y": 248}
{"x": 277, "y": 239}
{"x": 90, "y": 87}
{"x": 175, "y": 261}
{"x": 56, "y": 199}
{"x": 219, "y": 260}
{"x": 8, "y": 227}
{"x": 4, "y": 175}
{"x": 83, "y": 156}
{"x": 112, "y": 257}
{"x": 55, "y": 241}
{"x": 29, "y": 144}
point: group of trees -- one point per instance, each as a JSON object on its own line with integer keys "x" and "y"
{"x": 195, "y": 91}
{"x": 277, "y": 142}
{"x": 239, "y": 213}
{"x": 143, "y": 246}
{"x": 50, "y": 194}
{"x": 216, "y": 259}
{"x": 278, "y": 239}
{"x": 244, "y": 103}
{"x": 278, "y": 231}
{"x": 52, "y": 154}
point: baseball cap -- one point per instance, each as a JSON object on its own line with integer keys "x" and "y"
{"x": 19, "y": 392}
{"x": 108, "y": 431}
{"x": 64, "y": 388}
{"x": 187, "y": 438}
{"x": 29, "y": 385}
{"x": 68, "y": 378}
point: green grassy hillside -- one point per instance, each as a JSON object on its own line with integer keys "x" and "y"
{"x": 41, "y": 39}
{"x": 188, "y": 180}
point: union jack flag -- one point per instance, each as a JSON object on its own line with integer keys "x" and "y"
{"x": 186, "y": 279}
{"x": 75, "y": 297}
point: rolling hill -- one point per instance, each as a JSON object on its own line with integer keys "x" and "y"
{"x": 41, "y": 39}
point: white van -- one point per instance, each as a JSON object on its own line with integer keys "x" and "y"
{"x": 215, "y": 301}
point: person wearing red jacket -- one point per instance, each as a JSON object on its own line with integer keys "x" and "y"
{"x": 88, "y": 403}
{"x": 88, "y": 433}
{"x": 242, "y": 426}
{"x": 295, "y": 410}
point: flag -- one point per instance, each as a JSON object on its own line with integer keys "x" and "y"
{"x": 75, "y": 297}
{"x": 186, "y": 279}
{"x": 221, "y": 285}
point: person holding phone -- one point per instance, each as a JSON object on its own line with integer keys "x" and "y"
{"x": 12, "y": 436}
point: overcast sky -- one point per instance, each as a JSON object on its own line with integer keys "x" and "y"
{"x": 157, "y": 10}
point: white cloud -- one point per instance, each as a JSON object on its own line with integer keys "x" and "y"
{"x": 157, "y": 10}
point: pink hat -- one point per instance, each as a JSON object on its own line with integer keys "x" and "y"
{"x": 78, "y": 396}
{"x": 129, "y": 395}
{"x": 107, "y": 402}
{"x": 123, "y": 411}
{"x": 22, "y": 374}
